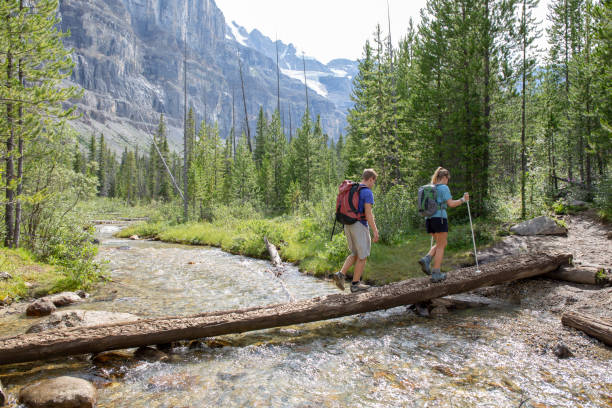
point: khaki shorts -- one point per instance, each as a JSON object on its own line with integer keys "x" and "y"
{"x": 358, "y": 238}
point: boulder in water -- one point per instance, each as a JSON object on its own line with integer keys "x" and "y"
{"x": 77, "y": 318}
{"x": 64, "y": 298}
{"x": 60, "y": 392}
{"x": 562, "y": 351}
{"x": 439, "y": 310}
{"x": 539, "y": 226}
{"x": 134, "y": 238}
{"x": 150, "y": 354}
{"x": 41, "y": 307}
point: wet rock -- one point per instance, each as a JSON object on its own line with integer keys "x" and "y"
{"x": 78, "y": 318}
{"x": 539, "y": 226}
{"x": 609, "y": 234}
{"x": 112, "y": 358}
{"x": 422, "y": 309}
{"x": 562, "y": 351}
{"x": 167, "y": 347}
{"x": 195, "y": 344}
{"x": 41, "y": 307}
{"x": 60, "y": 392}
{"x": 82, "y": 294}
{"x": 5, "y": 276}
{"x": 134, "y": 238}
{"x": 444, "y": 370}
{"x": 64, "y": 299}
{"x": 439, "y": 310}
{"x": 217, "y": 343}
{"x": 124, "y": 248}
{"x": 150, "y": 354}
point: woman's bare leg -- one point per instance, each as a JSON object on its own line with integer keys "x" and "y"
{"x": 441, "y": 240}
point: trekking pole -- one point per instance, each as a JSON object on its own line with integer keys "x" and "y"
{"x": 333, "y": 230}
{"x": 473, "y": 239}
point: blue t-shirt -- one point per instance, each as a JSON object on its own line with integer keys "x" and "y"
{"x": 443, "y": 196}
{"x": 365, "y": 197}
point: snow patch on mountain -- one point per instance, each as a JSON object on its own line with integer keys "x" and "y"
{"x": 235, "y": 31}
{"x": 339, "y": 72}
{"x": 312, "y": 77}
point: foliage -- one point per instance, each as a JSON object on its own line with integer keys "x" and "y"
{"x": 396, "y": 213}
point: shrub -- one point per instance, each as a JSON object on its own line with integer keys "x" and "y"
{"x": 396, "y": 213}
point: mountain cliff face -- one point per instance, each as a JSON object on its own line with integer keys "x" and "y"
{"x": 129, "y": 59}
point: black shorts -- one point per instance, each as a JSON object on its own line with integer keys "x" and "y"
{"x": 436, "y": 224}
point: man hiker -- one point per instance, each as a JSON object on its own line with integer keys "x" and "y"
{"x": 358, "y": 235}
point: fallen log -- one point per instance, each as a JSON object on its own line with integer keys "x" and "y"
{"x": 274, "y": 257}
{"x": 601, "y": 329}
{"x": 589, "y": 275}
{"x": 95, "y": 339}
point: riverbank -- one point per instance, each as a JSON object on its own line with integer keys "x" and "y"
{"x": 300, "y": 243}
{"x": 23, "y": 277}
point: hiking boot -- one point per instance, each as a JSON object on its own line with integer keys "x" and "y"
{"x": 437, "y": 276}
{"x": 425, "y": 263}
{"x": 339, "y": 279}
{"x": 359, "y": 287}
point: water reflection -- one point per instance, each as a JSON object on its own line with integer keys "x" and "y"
{"x": 382, "y": 359}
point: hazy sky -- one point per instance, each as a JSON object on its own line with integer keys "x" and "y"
{"x": 327, "y": 29}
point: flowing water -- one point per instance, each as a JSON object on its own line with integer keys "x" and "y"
{"x": 383, "y": 359}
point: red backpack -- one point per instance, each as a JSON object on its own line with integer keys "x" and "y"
{"x": 347, "y": 203}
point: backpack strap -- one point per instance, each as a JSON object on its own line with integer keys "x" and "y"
{"x": 356, "y": 189}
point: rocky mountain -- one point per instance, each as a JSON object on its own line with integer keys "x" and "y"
{"x": 129, "y": 59}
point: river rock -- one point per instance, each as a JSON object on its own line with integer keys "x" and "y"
{"x": 150, "y": 354}
{"x": 439, "y": 310}
{"x": 5, "y": 276}
{"x": 60, "y": 392}
{"x": 539, "y": 226}
{"x": 112, "y": 358}
{"x": 64, "y": 298}
{"x": 41, "y": 307}
{"x": 562, "y": 351}
{"x": 134, "y": 237}
{"x": 609, "y": 234}
{"x": 77, "y": 318}
{"x": 82, "y": 294}
{"x": 422, "y": 309}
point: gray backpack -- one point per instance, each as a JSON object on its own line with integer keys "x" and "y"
{"x": 427, "y": 203}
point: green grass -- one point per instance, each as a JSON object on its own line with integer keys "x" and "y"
{"x": 299, "y": 242}
{"x": 25, "y": 272}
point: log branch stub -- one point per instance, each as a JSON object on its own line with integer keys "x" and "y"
{"x": 274, "y": 257}
{"x": 94, "y": 339}
{"x": 601, "y": 329}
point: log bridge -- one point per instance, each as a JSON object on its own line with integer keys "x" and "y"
{"x": 94, "y": 339}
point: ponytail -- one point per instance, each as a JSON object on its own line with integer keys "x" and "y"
{"x": 439, "y": 174}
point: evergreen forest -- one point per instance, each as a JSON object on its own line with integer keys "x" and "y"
{"x": 525, "y": 131}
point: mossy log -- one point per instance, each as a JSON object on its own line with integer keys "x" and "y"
{"x": 601, "y": 329}
{"x": 95, "y": 339}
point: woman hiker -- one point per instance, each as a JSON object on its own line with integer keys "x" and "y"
{"x": 437, "y": 224}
